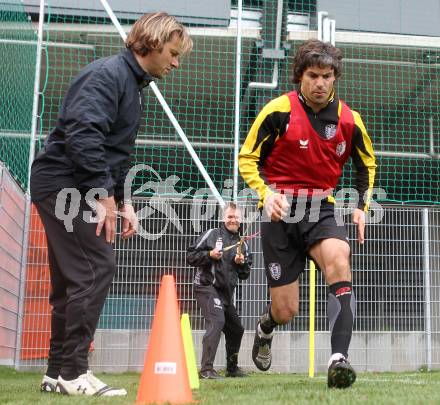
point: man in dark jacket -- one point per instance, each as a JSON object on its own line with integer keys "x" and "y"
{"x": 81, "y": 171}
{"x": 221, "y": 258}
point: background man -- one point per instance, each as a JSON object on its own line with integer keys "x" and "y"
{"x": 89, "y": 149}
{"x": 297, "y": 147}
{"x": 218, "y": 270}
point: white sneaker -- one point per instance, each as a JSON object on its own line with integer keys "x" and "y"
{"x": 48, "y": 384}
{"x": 78, "y": 386}
{"x": 102, "y": 388}
{"x": 88, "y": 384}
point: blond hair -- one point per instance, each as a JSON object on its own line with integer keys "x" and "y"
{"x": 151, "y": 32}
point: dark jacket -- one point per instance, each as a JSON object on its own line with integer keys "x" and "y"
{"x": 96, "y": 130}
{"x": 223, "y": 274}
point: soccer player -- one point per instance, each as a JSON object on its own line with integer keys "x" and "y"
{"x": 296, "y": 149}
{"x": 87, "y": 154}
{"x": 220, "y": 262}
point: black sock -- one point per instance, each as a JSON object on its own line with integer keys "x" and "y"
{"x": 69, "y": 377}
{"x": 52, "y": 375}
{"x": 267, "y": 323}
{"x": 340, "y": 312}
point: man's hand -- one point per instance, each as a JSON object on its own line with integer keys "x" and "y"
{"x": 215, "y": 254}
{"x": 239, "y": 258}
{"x": 276, "y": 206}
{"x": 129, "y": 221}
{"x": 359, "y": 220}
{"x": 106, "y": 213}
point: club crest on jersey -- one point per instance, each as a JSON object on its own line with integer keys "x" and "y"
{"x": 275, "y": 271}
{"x": 217, "y": 303}
{"x": 340, "y": 148}
{"x": 303, "y": 143}
{"x": 330, "y": 131}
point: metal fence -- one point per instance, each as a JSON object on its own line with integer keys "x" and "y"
{"x": 215, "y": 97}
{"x": 12, "y": 213}
{"x": 396, "y": 276}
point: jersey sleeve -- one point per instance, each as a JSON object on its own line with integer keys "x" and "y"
{"x": 270, "y": 124}
{"x": 364, "y": 160}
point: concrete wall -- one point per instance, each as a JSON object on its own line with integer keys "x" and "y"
{"x": 391, "y": 16}
{"x": 12, "y": 209}
{"x": 209, "y": 12}
{"x": 124, "y": 350}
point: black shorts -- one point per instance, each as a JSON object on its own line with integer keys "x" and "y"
{"x": 287, "y": 243}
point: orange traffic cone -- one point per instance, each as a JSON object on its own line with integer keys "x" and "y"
{"x": 165, "y": 376}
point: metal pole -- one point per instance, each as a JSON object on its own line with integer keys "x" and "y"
{"x": 237, "y": 100}
{"x": 27, "y": 214}
{"x": 333, "y": 32}
{"x": 170, "y": 114}
{"x": 312, "y": 299}
{"x": 274, "y": 83}
{"x": 46, "y": 44}
{"x": 321, "y": 16}
{"x": 431, "y": 136}
{"x": 427, "y": 270}
{"x": 216, "y": 145}
{"x": 326, "y": 30}
{"x": 188, "y": 145}
{"x": 270, "y": 86}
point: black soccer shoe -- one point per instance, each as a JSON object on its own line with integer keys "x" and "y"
{"x": 261, "y": 352}
{"x": 340, "y": 374}
{"x": 210, "y": 375}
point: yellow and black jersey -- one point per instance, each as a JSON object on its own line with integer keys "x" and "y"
{"x": 261, "y": 156}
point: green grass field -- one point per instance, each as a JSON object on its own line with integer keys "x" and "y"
{"x": 259, "y": 388}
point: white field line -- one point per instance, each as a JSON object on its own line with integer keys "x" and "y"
{"x": 389, "y": 380}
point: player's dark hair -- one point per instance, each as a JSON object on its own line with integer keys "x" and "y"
{"x": 316, "y": 53}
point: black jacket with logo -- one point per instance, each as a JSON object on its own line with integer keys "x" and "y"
{"x": 223, "y": 274}
{"x": 96, "y": 130}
